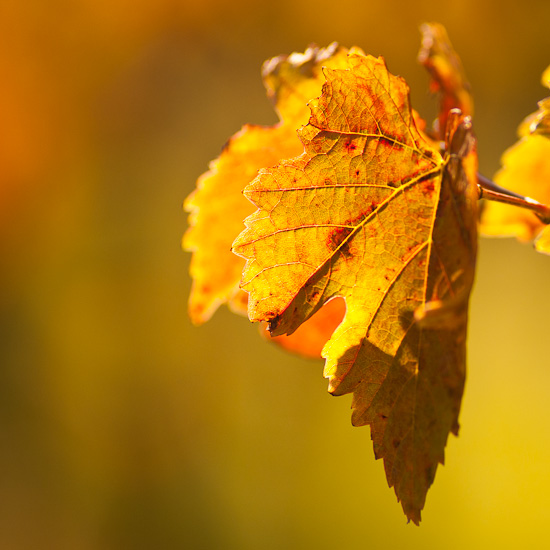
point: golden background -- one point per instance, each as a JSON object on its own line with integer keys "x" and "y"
{"x": 122, "y": 426}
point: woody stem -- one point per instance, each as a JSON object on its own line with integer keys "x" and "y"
{"x": 491, "y": 191}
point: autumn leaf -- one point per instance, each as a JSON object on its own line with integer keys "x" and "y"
{"x": 448, "y": 77}
{"x": 525, "y": 170}
{"x": 371, "y": 212}
{"x": 217, "y": 207}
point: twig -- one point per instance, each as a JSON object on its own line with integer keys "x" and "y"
{"x": 491, "y": 191}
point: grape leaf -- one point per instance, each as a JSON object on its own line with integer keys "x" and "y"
{"x": 525, "y": 170}
{"x": 290, "y": 81}
{"x": 372, "y": 213}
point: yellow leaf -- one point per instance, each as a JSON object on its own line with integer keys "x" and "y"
{"x": 217, "y": 207}
{"x": 372, "y": 213}
{"x": 525, "y": 170}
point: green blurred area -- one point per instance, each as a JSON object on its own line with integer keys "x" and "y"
{"x": 122, "y": 426}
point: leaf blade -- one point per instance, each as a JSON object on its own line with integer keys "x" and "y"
{"x": 356, "y": 216}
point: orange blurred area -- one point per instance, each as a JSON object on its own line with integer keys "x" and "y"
{"x": 310, "y": 337}
{"x": 124, "y": 426}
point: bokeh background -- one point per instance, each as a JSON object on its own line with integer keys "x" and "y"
{"x": 122, "y": 426}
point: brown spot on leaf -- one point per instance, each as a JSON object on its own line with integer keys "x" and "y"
{"x": 337, "y": 240}
{"x": 350, "y": 146}
{"x": 428, "y": 186}
{"x": 390, "y": 143}
{"x": 313, "y": 296}
{"x": 409, "y": 252}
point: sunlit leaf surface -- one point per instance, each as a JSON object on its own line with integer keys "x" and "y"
{"x": 372, "y": 213}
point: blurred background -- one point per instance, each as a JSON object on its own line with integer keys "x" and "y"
{"x": 122, "y": 426}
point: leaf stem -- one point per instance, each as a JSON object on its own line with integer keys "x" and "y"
{"x": 491, "y": 191}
